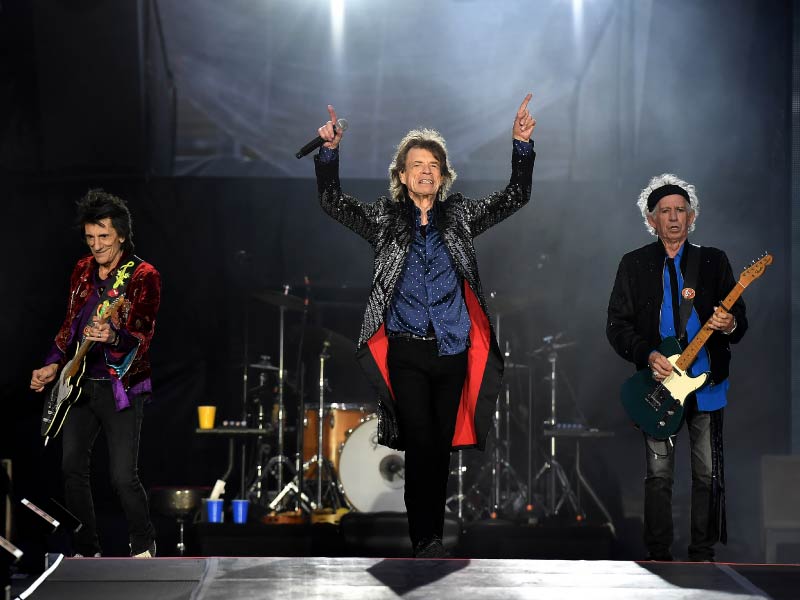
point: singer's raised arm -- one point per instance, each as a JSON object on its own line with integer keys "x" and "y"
{"x": 360, "y": 217}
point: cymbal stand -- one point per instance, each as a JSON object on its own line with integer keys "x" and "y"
{"x": 458, "y": 497}
{"x": 301, "y": 378}
{"x": 245, "y": 354}
{"x": 552, "y": 466}
{"x": 531, "y": 419}
{"x": 277, "y": 462}
{"x": 261, "y": 449}
{"x": 295, "y": 485}
{"x": 500, "y": 467}
{"x": 322, "y": 462}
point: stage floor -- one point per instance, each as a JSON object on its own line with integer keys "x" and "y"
{"x": 213, "y": 578}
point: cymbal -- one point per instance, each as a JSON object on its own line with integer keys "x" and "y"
{"x": 277, "y": 298}
{"x": 510, "y": 365}
{"x": 263, "y": 366}
{"x": 549, "y": 347}
{"x": 316, "y": 336}
{"x": 317, "y": 289}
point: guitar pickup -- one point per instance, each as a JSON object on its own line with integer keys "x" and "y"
{"x": 653, "y": 400}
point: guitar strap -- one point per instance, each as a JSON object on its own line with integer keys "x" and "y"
{"x": 121, "y": 278}
{"x": 689, "y": 286}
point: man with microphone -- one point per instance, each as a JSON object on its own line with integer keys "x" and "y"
{"x": 426, "y": 342}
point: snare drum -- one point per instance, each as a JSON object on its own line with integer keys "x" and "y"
{"x": 371, "y": 476}
{"x": 337, "y": 420}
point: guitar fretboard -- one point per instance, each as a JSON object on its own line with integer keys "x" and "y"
{"x": 690, "y": 353}
{"x": 86, "y": 345}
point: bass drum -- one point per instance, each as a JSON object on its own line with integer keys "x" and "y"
{"x": 371, "y": 476}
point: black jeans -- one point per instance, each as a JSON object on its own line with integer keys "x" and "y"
{"x": 427, "y": 390}
{"x": 658, "y": 529}
{"x": 95, "y": 409}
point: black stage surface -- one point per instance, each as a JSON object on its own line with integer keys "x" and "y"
{"x": 287, "y": 578}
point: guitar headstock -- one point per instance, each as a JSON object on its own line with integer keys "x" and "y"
{"x": 755, "y": 270}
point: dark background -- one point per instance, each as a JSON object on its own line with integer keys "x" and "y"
{"x": 193, "y": 116}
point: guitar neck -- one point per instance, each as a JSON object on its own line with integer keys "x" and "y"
{"x": 690, "y": 353}
{"x": 106, "y": 313}
{"x": 85, "y": 346}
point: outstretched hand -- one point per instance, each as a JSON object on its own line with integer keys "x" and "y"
{"x": 326, "y": 132}
{"x": 524, "y": 123}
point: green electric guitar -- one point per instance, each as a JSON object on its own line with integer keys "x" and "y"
{"x": 657, "y": 408}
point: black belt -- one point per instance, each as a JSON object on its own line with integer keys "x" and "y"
{"x": 405, "y": 335}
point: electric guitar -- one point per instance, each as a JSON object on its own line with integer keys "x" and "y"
{"x": 657, "y": 407}
{"x": 67, "y": 388}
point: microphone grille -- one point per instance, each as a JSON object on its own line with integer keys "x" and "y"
{"x": 342, "y": 124}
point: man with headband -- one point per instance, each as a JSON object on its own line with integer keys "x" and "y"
{"x": 644, "y": 309}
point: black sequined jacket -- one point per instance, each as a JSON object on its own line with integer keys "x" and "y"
{"x": 387, "y": 226}
{"x": 634, "y": 309}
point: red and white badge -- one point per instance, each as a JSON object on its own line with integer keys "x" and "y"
{"x": 687, "y": 293}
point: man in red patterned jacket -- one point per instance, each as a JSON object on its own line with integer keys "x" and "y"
{"x": 116, "y": 381}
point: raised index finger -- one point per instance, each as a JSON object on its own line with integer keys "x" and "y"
{"x": 524, "y": 105}
{"x": 332, "y": 113}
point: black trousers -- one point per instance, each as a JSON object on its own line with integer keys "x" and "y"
{"x": 427, "y": 390}
{"x": 658, "y": 528}
{"x": 94, "y": 410}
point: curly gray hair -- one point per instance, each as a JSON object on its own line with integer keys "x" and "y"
{"x": 660, "y": 181}
{"x": 427, "y": 139}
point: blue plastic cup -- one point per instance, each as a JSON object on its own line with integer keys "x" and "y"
{"x": 214, "y": 509}
{"x": 240, "y": 511}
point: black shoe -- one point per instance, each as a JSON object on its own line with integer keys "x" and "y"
{"x": 149, "y": 553}
{"x": 709, "y": 559}
{"x": 430, "y": 548}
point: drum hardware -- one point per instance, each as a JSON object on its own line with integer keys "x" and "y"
{"x": 499, "y": 468}
{"x": 294, "y": 487}
{"x": 557, "y": 476}
{"x": 300, "y": 387}
{"x": 264, "y": 364}
{"x": 259, "y": 421}
{"x": 281, "y": 299}
{"x": 371, "y": 476}
{"x": 321, "y": 462}
{"x": 578, "y": 432}
{"x": 276, "y": 465}
{"x": 459, "y": 497}
{"x": 499, "y": 472}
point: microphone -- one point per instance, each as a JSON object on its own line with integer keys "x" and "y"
{"x": 341, "y": 125}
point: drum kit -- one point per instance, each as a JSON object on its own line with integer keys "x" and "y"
{"x": 335, "y": 464}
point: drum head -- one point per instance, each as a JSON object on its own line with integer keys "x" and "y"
{"x": 372, "y": 476}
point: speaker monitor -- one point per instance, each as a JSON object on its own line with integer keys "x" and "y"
{"x": 780, "y": 488}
